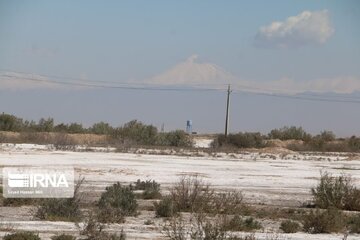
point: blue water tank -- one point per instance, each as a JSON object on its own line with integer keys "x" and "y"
{"x": 189, "y": 126}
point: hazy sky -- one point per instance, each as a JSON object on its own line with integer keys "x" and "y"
{"x": 264, "y": 46}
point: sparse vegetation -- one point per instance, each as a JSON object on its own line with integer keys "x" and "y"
{"x": 289, "y": 133}
{"x": 200, "y": 227}
{"x": 151, "y": 189}
{"x": 22, "y": 236}
{"x": 288, "y": 226}
{"x": 63, "y": 237}
{"x": 17, "y": 202}
{"x": 117, "y": 202}
{"x": 324, "y": 221}
{"x": 241, "y": 140}
{"x": 238, "y": 223}
{"x": 165, "y": 208}
{"x": 354, "y": 223}
{"x": 93, "y": 230}
{"x": 191, "y": 194}
{"x": 136, "y": 133}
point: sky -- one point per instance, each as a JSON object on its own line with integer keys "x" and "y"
{"x": 265, "y": 49}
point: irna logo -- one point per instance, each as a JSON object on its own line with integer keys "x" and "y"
{"x": 37, "y": 180}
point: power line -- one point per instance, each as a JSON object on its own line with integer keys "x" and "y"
{"x": 147, "y": 88}
{"x": 97, "y": 81}
{"x": 316, "y": 99}
{"x": 188, "y": 87}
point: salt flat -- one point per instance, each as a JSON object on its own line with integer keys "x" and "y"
{"x": 265, "y": 178}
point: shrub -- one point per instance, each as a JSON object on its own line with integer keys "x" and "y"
{"x": 336, "y": 192}
{"x": 200, "y": 227}
{"x": 227, "y": 203}
{"x": 289, "y": 226}
{"x": 151, "y": 189}
{"x": 17, "y": 202}
{"x": 101, "y": 128}
{"x": 10, "y": 123}
{"x": 63, "y": 141}
{"x": 136, "y": 132}
{"x": 63, "y": 237}
{"x": 22, "y": 236}
{"x": 354, "y": 223}
{"x": 240, "y": 140}
{"x": 354, "y": 144}
{"x": 176, "y": 138}
{"x": 327, "y": 221}
{"x": 238, "y": 223}
{"x": 62, "y": 209}
{"x": 190, "y": 194}
{"x": 93, "y": 230}
{"x": 175, "y": 229}
{"x": 117, "y": 202}
{"x": 165, "y": 208}
{"x": 289, "y": 133}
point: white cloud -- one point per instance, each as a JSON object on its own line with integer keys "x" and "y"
{"x": 303, "y": 29}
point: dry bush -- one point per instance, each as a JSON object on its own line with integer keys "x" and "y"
{"x": 93, "y": 230}
{"x": 63, "y": 141}
{"x": 165, "y": 208}
{"x": 191, "y": 194}
{"x": 201, "y": 227}
{"x": 324, "y": 221}
{"x": 289, "y": 226}
{"x": 175, "y": 229}
{"x": 338, "y": 192}
{"x": 238, "y": 223}
{"x": 63, "y": 237}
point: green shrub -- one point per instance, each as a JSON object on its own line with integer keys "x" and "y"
{"x": 117, "y": 202}
{"x": 151, "y": 189}
{"x": 176, "y": 138}
{"x": 63, "y": 237}
{"x": 22, "y": 236}
{"x": 62, "y": 209}
{"x": 135, "y": 132}
{"x": 324, "y": 221}
{"x": 338, "y": 192}
{"x": 289, "y": 226}
{"x": 101, "y": 128}
{"x": 165, "y": 208}
{"x": 290, "y": 133}
{"x": 10, "y": 123}
{"x": 354, "y": 223}
{"x": 354, "y": 144}
{"x": 241, "y": 140}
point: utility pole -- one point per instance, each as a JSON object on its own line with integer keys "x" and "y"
{"x": 227, "y": 111}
